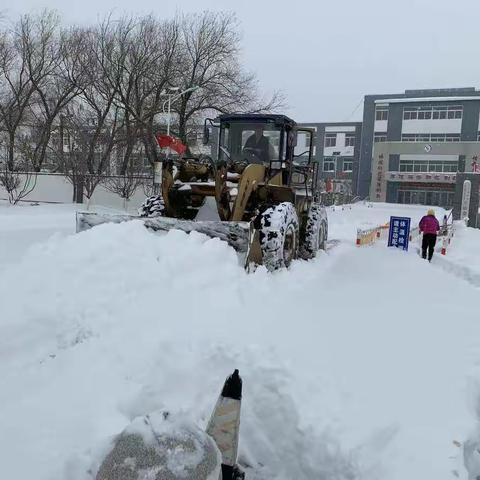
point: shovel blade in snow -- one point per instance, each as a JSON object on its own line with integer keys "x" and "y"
{"x": 224, "y": 425}
{"x": 235, "y": 234}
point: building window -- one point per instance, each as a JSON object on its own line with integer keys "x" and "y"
{"x": 349, "y": 139}
{"x": 440, "y": 112}
{"x": 430, "y": 137}
{"x": 406, "y": 166}
{"x": 452, "y": 137}
{"x": 347, "y": 165}
{"x": 426, "y": 197}
{"x": 424, "y": 113}
{"x": 330, "y": 139}
{"x": 379, "y": 137}
{"x": 455, "y": 111}
{"x": 381, "y": 113}
{"x": 426, "y": 166}
{"x": 328, "y": 165}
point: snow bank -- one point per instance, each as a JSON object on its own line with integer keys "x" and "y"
{"x": 355, "y": 365}
{"x": 24, "y": 224}
{"x": 346, "y": 219}
{"x": 116, "y": 322}
{"x": 463, "y": 255}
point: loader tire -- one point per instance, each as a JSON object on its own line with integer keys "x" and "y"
{"x": 279, "y": 236}
{"x": 153, "y": 206}
{"x": 314, "y": 237}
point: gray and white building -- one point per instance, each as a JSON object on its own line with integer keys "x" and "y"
{"x": 337, "y": 150}
{"x": 414, "y": 144}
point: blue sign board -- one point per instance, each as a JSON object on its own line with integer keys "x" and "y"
{"x": 399, "y": 232}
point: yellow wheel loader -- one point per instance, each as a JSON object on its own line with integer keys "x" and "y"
{"x": 265, "y": 195}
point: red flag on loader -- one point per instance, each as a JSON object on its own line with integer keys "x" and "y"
{"x": 175, "y": 144}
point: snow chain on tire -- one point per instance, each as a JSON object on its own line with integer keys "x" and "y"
{"x": 153, "y": 206}
{"x": 316, "y": 232}
{"x": 276, "y": 224}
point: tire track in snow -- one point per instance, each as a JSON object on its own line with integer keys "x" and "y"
{"x": 461, "y": 271}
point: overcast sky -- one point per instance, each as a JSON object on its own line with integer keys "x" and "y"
{"x": 325, "y": 55}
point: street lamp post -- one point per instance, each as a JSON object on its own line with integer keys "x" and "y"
{"x": 172, "y": 98}
{"x": 169, "y": 101}
{"x": 158, "y": 166}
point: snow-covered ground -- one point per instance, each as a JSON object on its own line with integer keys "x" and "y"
{"x": 361, "y": 364}
{"x": 24, "y": 225}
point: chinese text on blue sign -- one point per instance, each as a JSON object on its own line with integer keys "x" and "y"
{"x": 399, "y": 232}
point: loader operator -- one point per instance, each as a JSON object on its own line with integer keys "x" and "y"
{"x": 258, "y": 146}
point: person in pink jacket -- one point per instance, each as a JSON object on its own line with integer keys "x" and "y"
{"x": 430, "y": 227}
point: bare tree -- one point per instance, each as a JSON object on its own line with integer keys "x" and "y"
{"x": 16, "y": 88}
{"x": 52, "y": 62}
{"x": 89, "y": 123}
{"x": 104, "y": 87}
{"x": 210, "y": 59}
{"x": 83, "y": 146}
{"x": 126, "y": 66}
{"x": 164, "y": 70}
{"x": 15, "y": 94}
{"x": 126, "y": 184}
{"x": 20, "y": 181}
{"x": 142, "y": 62}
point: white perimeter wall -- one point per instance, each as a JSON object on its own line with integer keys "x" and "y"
{"x": 55, "y": 188}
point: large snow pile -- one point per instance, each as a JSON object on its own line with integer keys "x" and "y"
{"x": 355, "y": 365}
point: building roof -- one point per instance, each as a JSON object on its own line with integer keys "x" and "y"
{"x": 426, "y": 99}
{"x": 333, "y": 124}
{"x": 256, "y": 117}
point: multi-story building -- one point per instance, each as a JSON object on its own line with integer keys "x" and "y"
{"x": 414, "y": 143}
{"x": 337, "y": 150}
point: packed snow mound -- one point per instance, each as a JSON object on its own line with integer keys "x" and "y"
{"x": 164, "y": 447}
{"x": 86, "y": 279}
{"x": 117, "y": 322}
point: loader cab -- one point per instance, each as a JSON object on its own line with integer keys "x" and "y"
{"x": 270, "y": 140}
{"x": 252, "y": 138}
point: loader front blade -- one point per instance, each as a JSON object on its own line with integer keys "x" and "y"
{"x": 235, "y": 234}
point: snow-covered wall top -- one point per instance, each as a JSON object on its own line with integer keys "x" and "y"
{"x": 55, "y": 188}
